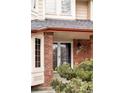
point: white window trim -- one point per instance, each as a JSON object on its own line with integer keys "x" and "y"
{"x": 37, "y": 73}
{"x": 59, "y": 15}
{"x": 40, "y": 36}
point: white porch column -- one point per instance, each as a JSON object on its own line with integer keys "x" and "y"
{"x": 59, "y": 54}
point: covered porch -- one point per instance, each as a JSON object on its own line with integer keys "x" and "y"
{"x": 62, "y": 41}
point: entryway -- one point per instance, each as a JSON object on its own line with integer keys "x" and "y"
{"x": 62, "y": 53}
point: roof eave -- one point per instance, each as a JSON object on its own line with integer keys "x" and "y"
{"x": 57, "y": 29}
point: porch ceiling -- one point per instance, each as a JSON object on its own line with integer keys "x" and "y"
{"x": 69, "y": 36}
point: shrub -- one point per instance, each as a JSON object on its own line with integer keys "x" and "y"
{"x": 82, "y": 71}
{"x": 58, "y": 85}
{"x": 74, "y": 86}
{"x": 66, "y": 71}
{"x": 80, "y": 78}
{"x": 85, "y": 70}
{"x": 84, "y": 75}
{"x": 86, "y": 65}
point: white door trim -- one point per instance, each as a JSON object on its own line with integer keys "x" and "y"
{"x": 71, "y": 42}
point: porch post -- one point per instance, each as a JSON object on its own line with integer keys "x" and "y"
{"x": 59, "y": 54}
{"x": 48, "y": 58}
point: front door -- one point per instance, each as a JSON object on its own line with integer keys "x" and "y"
{"x": 61, "y": 54}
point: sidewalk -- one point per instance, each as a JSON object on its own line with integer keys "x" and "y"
{"x": 45, "y": 91}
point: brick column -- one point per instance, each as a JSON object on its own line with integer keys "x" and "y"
{"x": 48, "y": 58}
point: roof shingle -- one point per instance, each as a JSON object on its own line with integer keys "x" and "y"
{"x": 77, "y": 24}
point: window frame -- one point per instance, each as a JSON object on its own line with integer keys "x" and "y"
{"x": 59, "y": 14}
{"x": 55, "y": 8}
{"x": 70, "y": 9}
{"x": 37, "y": 53}
{"x": 41, "y": 37}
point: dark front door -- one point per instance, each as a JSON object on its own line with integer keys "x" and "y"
{"x": 61, "y": 54}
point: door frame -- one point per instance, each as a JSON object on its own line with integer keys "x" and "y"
{"x": 71, "y": 42}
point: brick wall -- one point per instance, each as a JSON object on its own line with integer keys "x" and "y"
{"x": 85, "y": 52}
{"x": 48, "y": 58}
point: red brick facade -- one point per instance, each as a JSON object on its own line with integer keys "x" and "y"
{"x": 85, "y": 52}
{"x": 48, "y": 58}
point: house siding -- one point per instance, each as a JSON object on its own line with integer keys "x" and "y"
{"x": 81, "y": 9}
{"x": 87, "y": 52}
{"x": 38, "y": 13}
{"x": 41, "y": 9}
{"x": 89, "y": 11}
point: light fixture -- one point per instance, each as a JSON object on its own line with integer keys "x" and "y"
{"x": 91, "y": 37}
{"x": 79, "y": 44}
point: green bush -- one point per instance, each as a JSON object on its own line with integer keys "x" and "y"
{"x": 84, "y": 75}
{"x": 82, "y": 71}
{"x": 80, "y": 78}
{"x": 86, "y": 65}
{"x": 66, "y": 71}
{"x": 77, "y": 86}
{"x": 85, "y": 70}
{"x": 74, "y": 86}
{"x": 58, "y": 85}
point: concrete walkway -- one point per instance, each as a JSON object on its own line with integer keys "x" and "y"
{"x": 45, "y": 91}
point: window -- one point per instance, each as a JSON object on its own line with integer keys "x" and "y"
{"x": 59, "y": 7}
{"x": 37, "y": 52}
{"x": 66, "y": 7}
{"x": 50, "y": 6}
{"x": 33, "y": 4}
